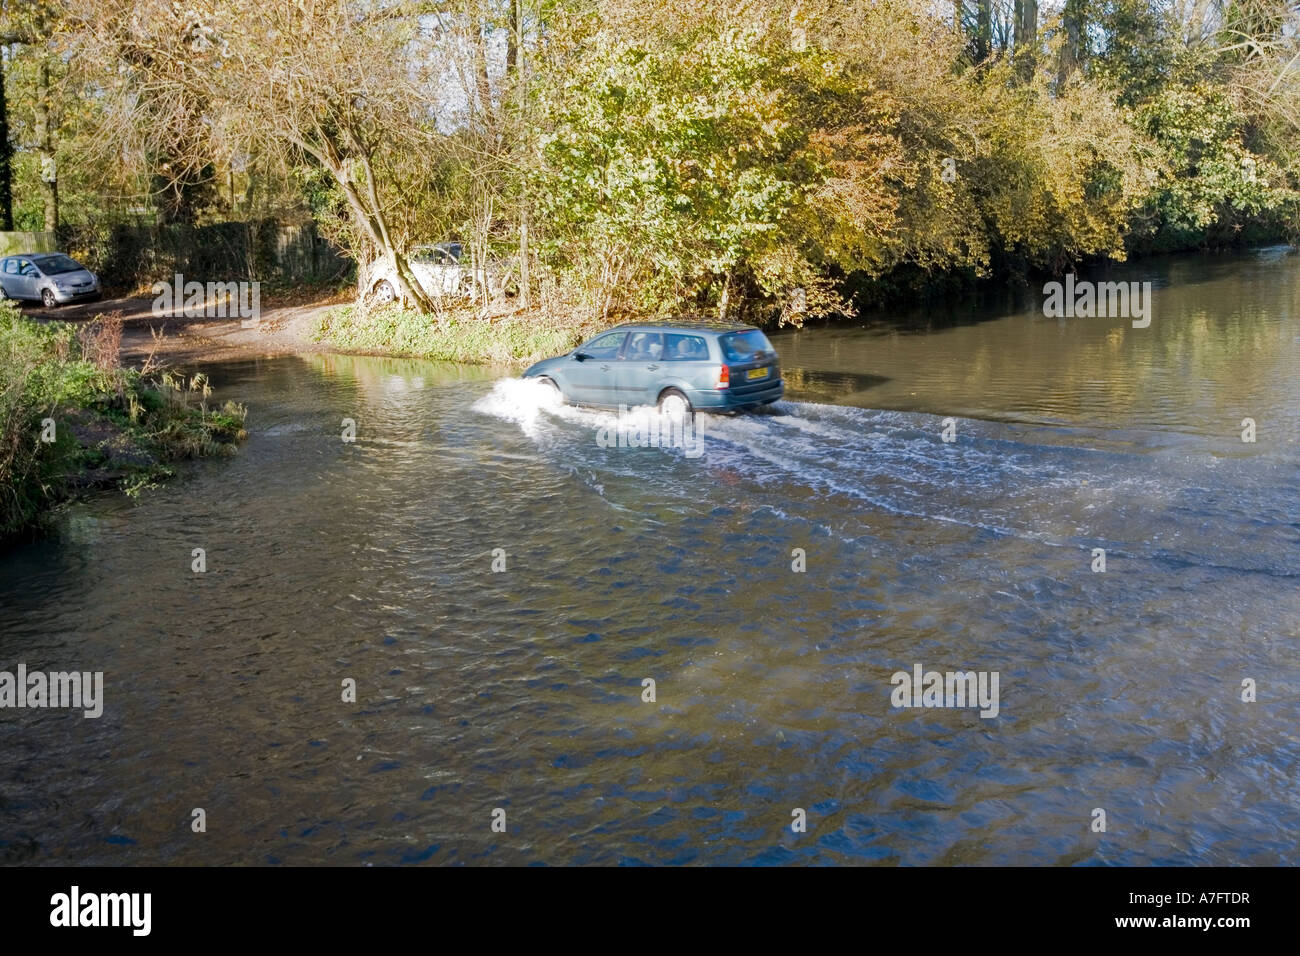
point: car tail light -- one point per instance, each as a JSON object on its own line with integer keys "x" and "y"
{"x": 724, "y": 377}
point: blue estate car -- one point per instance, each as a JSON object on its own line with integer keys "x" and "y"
{"x": 679, "y": 367}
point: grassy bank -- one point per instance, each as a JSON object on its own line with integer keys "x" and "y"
{"x": 72, "y": 418}
{"x": 456, "y": 336}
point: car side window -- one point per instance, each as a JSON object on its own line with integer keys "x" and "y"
{"x": 645, "y": 347}
{"x": 11, "y": 267}
{"x": 29, "y": 269}
{"x": 685, "y": 348}
{"x": 604, "y": 346}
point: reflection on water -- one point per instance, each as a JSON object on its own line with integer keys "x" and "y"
{"x": 1221, "y": 344}
{"x": 371, "y": 560}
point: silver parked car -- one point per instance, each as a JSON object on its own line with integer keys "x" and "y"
{"x": 48, "y": 277}
{"x": 442, "y": 270}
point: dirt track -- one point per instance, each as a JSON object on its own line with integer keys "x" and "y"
{"x": 281, "y": 330}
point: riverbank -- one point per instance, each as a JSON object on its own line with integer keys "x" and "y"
{"x": 502, "y": 334}
{"x": 498, "y": 335}
{"x": 72, "y": 417}
{"x": 466, "y": 335}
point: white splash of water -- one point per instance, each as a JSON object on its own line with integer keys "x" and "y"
{"x": 524, "y": 401}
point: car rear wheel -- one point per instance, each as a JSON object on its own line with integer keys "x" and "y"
{"x": 675, "y": 405}
{"x": 384, "y": 293}
{"x": 3, "y": 294}
{"x": 47, "y": 296}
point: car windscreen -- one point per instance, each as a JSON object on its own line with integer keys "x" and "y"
{"x": 55, "y": 265}
{"x": 603, "y": 346}
{"x": 745, "y": 346}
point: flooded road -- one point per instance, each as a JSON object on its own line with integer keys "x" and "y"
{"x": 522, "y": 689}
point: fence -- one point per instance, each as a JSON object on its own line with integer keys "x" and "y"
{"x": 130, "y": 257}
{"x": 12, "y": 243}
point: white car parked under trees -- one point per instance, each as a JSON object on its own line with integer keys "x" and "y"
{"x": 442, "y": 270}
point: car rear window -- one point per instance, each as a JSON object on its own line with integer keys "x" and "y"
{"x": 685, "y": 348}
{"x": 745, "y": 346}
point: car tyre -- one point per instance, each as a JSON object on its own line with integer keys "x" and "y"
{"x": 384, "y": 293}
{"x": 47, "y": 297}
{"x": 554, "y": 389}
{"x": 674, "y": 404}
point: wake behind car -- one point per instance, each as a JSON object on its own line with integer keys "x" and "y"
{"x": 51, "y": 278}
{"x": 678, "y": 366}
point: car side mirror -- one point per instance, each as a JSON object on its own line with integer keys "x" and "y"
{"x": 581, "y": 356}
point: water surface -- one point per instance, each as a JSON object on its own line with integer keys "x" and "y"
{"x": 522, "y": 690}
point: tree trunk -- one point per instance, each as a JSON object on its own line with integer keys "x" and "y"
{"x": 1072, "y": 19}
{"x": 513, "y": 37}
{"x": 983, "y": 30}
{"x": 371, "y": 221}
{"x": 1026, "y": 37}
{"x": 406, "y": 278}
{"x": 483, "y": 85}
{"x": 515, "y": 62}
{"x": 523, "y": 258}
{"x": 45, "y": 148}
{"x": 6, "y": 159}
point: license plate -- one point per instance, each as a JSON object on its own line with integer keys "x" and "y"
{"x": 756, "y": 373}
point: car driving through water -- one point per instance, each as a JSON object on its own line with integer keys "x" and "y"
{"x": 677, "y": 366}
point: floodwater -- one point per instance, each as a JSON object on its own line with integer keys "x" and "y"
{"x": 522, "y": 690}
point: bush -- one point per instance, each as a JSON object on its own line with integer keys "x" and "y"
{"x": 37, "y": 375}
{"x": 70, "y": 416}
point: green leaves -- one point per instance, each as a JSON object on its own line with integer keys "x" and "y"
{"x": 668, "y": 167}
{"x": 1214, "y": 183}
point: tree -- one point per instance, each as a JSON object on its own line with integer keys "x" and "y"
{"x": 33, "y": 24}
{"x": 332, "y": 83}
